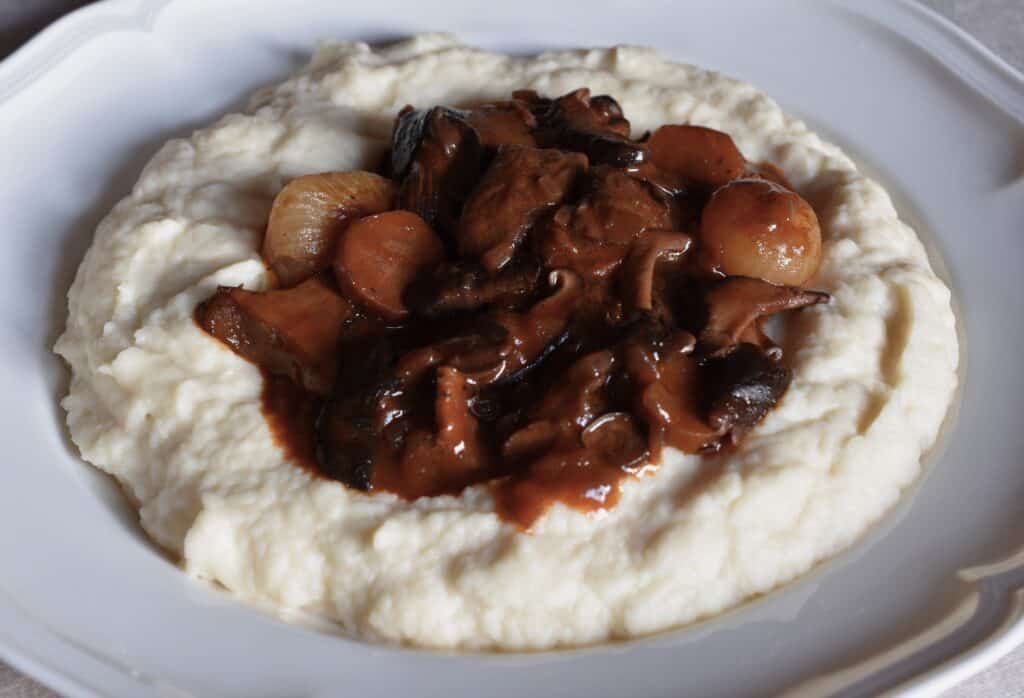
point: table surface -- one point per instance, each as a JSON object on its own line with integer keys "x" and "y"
{"x": 999, "y": 24}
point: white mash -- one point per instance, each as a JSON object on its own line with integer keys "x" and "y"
{"x": 175, "y": 415}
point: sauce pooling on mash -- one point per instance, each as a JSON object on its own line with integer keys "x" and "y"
{"x": 526, "y": 297}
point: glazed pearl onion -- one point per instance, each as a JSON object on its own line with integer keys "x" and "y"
{"x": 757, "y": 228}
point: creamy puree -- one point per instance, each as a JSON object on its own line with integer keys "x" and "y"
{"x": 175, "y": 416}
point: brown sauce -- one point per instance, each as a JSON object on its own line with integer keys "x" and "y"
{"x": 529, "y": 313}
{"x": 291, "y": 415}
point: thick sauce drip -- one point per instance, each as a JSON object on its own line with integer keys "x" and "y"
{"x": 538, "y": 316}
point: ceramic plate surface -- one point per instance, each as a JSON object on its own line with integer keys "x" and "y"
{"x": 934, "y": 593}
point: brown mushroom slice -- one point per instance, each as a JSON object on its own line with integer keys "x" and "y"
{"x": 464, "y": 286}
{"x": 579, "y": 397}
{"x": 617, "y": 208}
{"x": 378, "y": 256}
{"x": 670, "y": 406}
{"x": 477, "y": 350}
{"x": 436, "y": 155}
{"x": 530, "y": 442}
{"x": 560, "y": 249}
{"x": 309, "y": 214}
{"x": 518, "y": 187}
{"x": 696, "y": 154}
{"x": 742, "y": 387}
{"x": 290, "y": 332}
{"x": 617, "y": 437}
{"x": 360, "y": 407}
{"x": 757, "y": 228}
{"x": 442, "y": 460}
{"x": 565, "y": 409}
{"x": 503, "y": 123}
{"x": 591, "y": 125}
{"x": 733, "y": 304}
{"x": 644, "y": 255}
{"x": 534, "y": 333}
{"x": 665, "y": 377}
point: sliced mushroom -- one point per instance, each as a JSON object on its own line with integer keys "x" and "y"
{"x": 696, "y": 155}
{"x": 616, "y": 208}
{"x": 616, "y": 436}
{"x": 465, "y": 286}
{"x": 594, "y": 126}
{"x": 476, "y": 350}
{"x": 742, "y": 387}
{"x": 518, "y": 187}
{"x": 530, "y": 442}
{"x": 353, "y": 418}
{"x": 443, "y": 460}
{"x": 561, "y": 249}
{"x": 565, "y": 409}
{"x": 311, "y": 212}
{"x": 533, "y": 334}
{"x": 644, "y": 255}
{"x": 291, "y": 332}
{"x": 409, "y": 131}
{"x": 579, "y": 397}
{"x": 503, "y": 123}
{"x": 436, "y": 156}
{"x": 733, "y": 305}
{"x": 760, "y": 229}
{"x": 378, "y": 256}
{"x": 668, "y": 393}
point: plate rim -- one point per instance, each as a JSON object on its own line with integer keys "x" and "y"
{"x": 995, "y": 590}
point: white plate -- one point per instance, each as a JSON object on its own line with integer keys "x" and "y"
{"x": 87, "y": 605}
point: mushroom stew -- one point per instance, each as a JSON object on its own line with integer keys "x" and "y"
{"x": 525, "y": 297}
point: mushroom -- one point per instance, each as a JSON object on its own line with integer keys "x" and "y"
{"x": 436, "y": 156}
{"x": 530, "y": 442}
{"x": 290, "y": 332}
{"x": 565, "y": 409}
{"x": 378, "y": 256}
{"x": 517, "y": 188}
{"x": 450, "y": 456}
{"x": 616, "y": 208}
{"x": 616, "y": 437}
{"x": 349, "y": 430}
{"x": 534, "y": 334}
{"x": 465, "y": 286}
{"x": 503, "y": 123}
{"x": 477, "y": 350}
{"x": 644, "y": 255}
{"x": 561, "y": 249}
{"x": 666, "y": 386}
{"x": 594, "y": 126}
{"x": 579, "y": 397}
{"x": 760, "y": 229}
{"x": 309, "y": 214}
{"x": 696, "y": 155}
{"x": 742, "y": 387}
{"x": 735, "y": 303}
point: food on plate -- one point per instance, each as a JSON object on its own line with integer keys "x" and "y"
{"x": 466, "y": 350}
